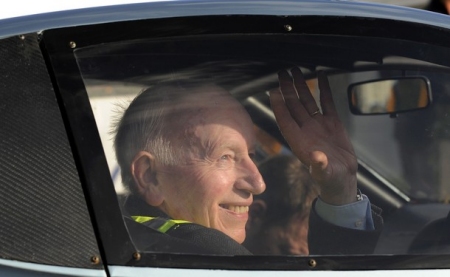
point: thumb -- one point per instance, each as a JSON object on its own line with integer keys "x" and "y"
{"x": 318, "y": 165}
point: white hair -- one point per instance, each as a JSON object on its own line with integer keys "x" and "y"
{"x": 142, "y": 127}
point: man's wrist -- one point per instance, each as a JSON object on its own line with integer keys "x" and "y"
{"x": 341, "y": 195}
{"x": 356, "y": 215}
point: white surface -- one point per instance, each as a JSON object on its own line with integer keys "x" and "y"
{"x": 120, "y": 271}
{"x": 29, "y": 7}
{"x": 23, "y": 267}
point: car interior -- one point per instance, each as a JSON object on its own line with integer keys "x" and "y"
{"x": 249, "y": 76}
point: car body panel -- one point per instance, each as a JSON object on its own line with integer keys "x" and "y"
{"x": 45, "y": 217}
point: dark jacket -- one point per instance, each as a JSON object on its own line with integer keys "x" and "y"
{"x": 188, "y": 238}
{"x": 327, "y": 239}
{"x": 191, "y": 238}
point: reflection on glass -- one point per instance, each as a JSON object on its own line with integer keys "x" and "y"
{"x": 214, "y": 98}
{"x": 279, "y": 217}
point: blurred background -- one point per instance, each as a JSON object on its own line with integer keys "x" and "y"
{"x": 438, "y": 6}
{"x": 410, "y": 3}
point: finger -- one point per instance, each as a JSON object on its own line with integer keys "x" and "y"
{"x": 282, "y": 115}
{"x": 288, "y": 126}
{"x": 326, "y": 99}
{"x": 291, "y": 100}
{"x": 303, "y": 91}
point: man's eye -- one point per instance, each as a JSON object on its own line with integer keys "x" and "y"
{"x": 225, "y": 157}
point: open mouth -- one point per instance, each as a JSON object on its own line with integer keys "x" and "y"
{"x": 236, "y": 209}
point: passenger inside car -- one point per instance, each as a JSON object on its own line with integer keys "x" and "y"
{"x": 188, "y": 165}
{"x": 278, "y": 218}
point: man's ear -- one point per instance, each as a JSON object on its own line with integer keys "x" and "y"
{"x": 144, "y": 174}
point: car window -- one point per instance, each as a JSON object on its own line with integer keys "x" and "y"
{"x": 184, "y": 119}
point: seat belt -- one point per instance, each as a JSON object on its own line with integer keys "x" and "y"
{"x": 162, "y": 225}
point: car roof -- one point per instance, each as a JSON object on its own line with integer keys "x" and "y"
{"x": 98, "y": 12}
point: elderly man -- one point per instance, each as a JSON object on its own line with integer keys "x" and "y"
{"x": 186, "y": 150}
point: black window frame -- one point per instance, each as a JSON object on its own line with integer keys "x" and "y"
{"x": 58, "y": 47}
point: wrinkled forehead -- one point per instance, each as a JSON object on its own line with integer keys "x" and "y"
{"x": 201, "y": 101}
{"x": 207, "y": 105}
{"x": 206, "y": 98}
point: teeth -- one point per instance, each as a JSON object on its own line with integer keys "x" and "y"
{"x": 236, "y": 209}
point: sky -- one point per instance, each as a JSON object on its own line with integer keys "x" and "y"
{"x": 27, "y": 7}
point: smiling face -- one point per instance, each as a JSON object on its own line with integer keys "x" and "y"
{"x": 214, "y": 182}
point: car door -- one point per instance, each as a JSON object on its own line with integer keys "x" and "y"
{"x": 100, "y": 70}
{"x": 66, "y": 85}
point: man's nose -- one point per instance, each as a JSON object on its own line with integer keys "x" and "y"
{"x": 250, "y": 179}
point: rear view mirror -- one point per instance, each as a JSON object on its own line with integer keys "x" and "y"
{"x": 389, "y": 96}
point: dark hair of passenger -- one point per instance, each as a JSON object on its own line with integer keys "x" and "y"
{"x": 289, "y": 187}
{"x": 278, "y": 222}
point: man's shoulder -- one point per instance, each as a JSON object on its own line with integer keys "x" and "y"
{"x": 182, "y": 237}
{"x": 152, "y": 230}
{"x": 208, "y": 238}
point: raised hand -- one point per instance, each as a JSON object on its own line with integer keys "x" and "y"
{"x": 317, "y": 137}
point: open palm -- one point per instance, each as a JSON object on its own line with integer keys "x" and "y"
{"x": 316, "y": 137}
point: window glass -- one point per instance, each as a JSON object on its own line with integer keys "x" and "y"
{"x": 189, "y": 149}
